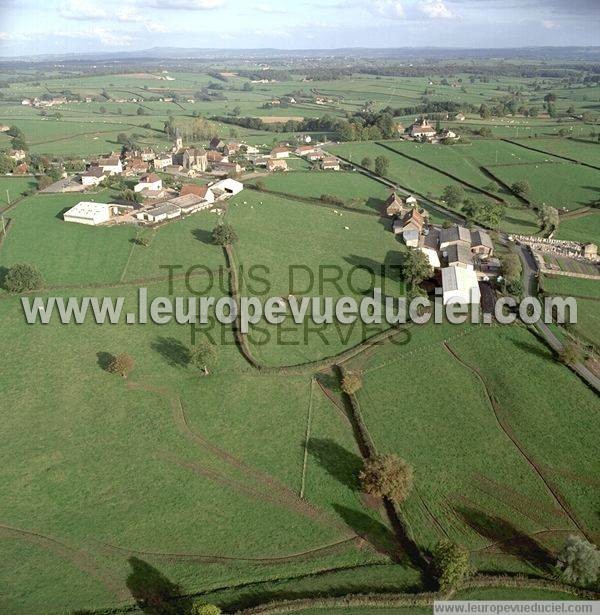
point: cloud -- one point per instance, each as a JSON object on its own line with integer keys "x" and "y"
{"x": 392, "y": 9}
{"x": 81, "y": 10}
{"x": 549, "y": 24}
{"x": 436, "y": 10}
{"x": 183, "y": 5}
{"x": 427, "y": 9}
{"x": 110, "y": 38}
{"x": 267, "y": 8}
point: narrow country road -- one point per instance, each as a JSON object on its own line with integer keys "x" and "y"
{"x": 530, "y": 272}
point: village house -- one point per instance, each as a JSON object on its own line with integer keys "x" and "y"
{"x": 110, "y": 165}
{"x": 304, "y": 150}
{"x": 280, "y": 152}
{"x": 226, "y": 168}
{"x": 21, "y": 169}
{"x": 150, "y": 182}
{"x": 216, "y": 143}
{"x": 250, "y": 150}
{"x": 135, "y": 166}
{"x": 232, "y": 148}
{"x": 481, "y": 244}
{"x": 315, "y": 156}
{"x": 147, "y": 155}
{"x": 410, "y": 226}
{"x": 422, "y": 130}
{"x": 204, "y": 192}
{"x": 214, "y": 157}
{"x": 447, "y": 134}
{"x": 92, "y": 177}
{"x": 162, "y": 161}
{"x": 17, "y": 154}
{"x": 4, "y": 128}
{"x": 276, "y": 165}
{"x": 460, "y": 117}
{"x": 330, "y": 163}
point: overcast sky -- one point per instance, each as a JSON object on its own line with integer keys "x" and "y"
{"x": 57, "y": 26}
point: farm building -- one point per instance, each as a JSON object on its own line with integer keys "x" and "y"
{"x": 92, "y": 177}
{"x": 481, "y": 243}
{"x": 164, "y": 211}
{"x": 204, "y": 192}
{"x": 412, "y": 221}
{"x": 88, "y": 212}
{"x": 162, "y": 161}
{"x": 458, "y": 255}
{"x": 190, "y": 203}
{"x": 459, "y": 285}
{"x": 315, "y": 156}
{"x": 148, "y": 182}
{"x": 226, "y": 187}
{"x": 590, "y": 251}
{"x": 225, "y": 168}
{"x": 305, "y": 150}
{"x": 455, "y": 233}
{"x": 280, "y": 152}
{"x": 394, "y": 205}
{"x": 330, "y": 163}
{"x": 422, "y": 130}
{"x": 276, "y": 165}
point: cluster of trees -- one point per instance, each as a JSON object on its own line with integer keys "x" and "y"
{"x": 199, "y": 129}
{"x": 22, "y": 277}
{"x": 18, "y": 138}
{"x": 511, "y": 272}
{"x": 488, "y": 213}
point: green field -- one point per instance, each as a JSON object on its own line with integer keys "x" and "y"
{"x": 562, "y": 185}
{"x": 472, "y": 498}
{"x": 368, "y": 193}
{"x": 241, "y": 486}
{"x": 584, "y": 228}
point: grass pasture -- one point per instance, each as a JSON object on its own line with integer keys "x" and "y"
{"x": 346, "y": 185}
{"x": 562, "y": 185}
{"x": 65, "y": 253}
{"x": 585, "y": 228}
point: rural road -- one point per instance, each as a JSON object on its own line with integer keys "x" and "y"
{"x": 530, "y": 271}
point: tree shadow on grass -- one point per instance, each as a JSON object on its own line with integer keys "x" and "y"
{"x": 203, "y": 236}
{"x": 172, "y": 350}
{"x": 378, "y": 535}
{"x": 104, "y": 359}
{"x": 3, "y": 274}
{"x": 534, "y": 349}
{"x": 153, "y": 592}
{"x": 329, "y": 380}
{"x": 343, "y": 465}
{"x": 507, "y": 537}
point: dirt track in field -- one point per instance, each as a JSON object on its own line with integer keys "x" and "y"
{"x": 504, "y": 425}
{"x": 329, "y": 549}
{"x": 259, "y": 485}
{"x": 80, "y": 559}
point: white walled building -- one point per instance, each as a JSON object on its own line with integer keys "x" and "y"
{"x": 88, "y": 212}
{"x": 459, "y": 285}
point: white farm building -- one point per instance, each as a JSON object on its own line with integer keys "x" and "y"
{"x": 88, "y": 212}
{"x": 460, "y": 285}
